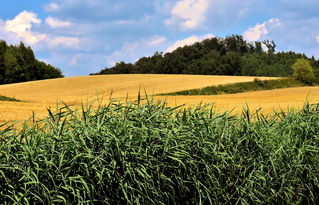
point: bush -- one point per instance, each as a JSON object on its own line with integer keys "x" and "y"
{"x": 5, "y": 98}
{"x": 259, "y": 82}
{"x": 303, "y": 71}
{"x": 256, "y": 85}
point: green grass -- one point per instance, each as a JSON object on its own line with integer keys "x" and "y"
{"x": 256, "y": 85}
{"x": 4, "y": 98}
{"x": 148, "y": 153}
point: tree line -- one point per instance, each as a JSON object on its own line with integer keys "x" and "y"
{"x": 18, "y": 64}
{"x": 217, "y": 56}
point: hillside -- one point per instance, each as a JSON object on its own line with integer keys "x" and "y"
{"x": 38, "y": 95}
{"x": 79, "y": 88}
{"x": 268, "y": 100}
{"x": 217, "y": 56}
{"x": 18, "y": 64}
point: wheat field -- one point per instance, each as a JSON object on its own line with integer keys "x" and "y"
{"x": 39, "y": 95}
{"x": 268, "y": 100}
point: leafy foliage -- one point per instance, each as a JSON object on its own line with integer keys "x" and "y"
{"x": 216, "y": 56}
{"x": 256, "y": 85}
{"x": 18, "y": 64}
{"x": 303, "y": 71}
{"x": 152, "y": 154}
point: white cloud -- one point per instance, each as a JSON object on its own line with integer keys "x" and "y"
{"x": 66, "y": 42}
{"x": 208, "y": 14}
{"x": 317, "y": 38}
{"x": 157, "y": 41}
{"x": 189, "y": 14}
{"x": 52, "y": 7}
{"x": 56, "y": 23}
{"x": 21, "y": 27}
{"x": 187, "y": 41}
{"x": 257, "y": 32}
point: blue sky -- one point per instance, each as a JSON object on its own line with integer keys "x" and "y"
{"x": 84, "y": 36}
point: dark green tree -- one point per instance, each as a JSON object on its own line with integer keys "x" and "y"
{"x": 18, "y": 64}
{"x": 229, "y": 56}
{"x": 231, "y": 63}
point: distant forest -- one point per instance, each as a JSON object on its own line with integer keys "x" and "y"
{"x": 217, "y": 56}
{"x": 18, "y": 64}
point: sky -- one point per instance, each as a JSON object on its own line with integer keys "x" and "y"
{"x": 84, "y": 36}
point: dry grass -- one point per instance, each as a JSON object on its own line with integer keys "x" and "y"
{"x": 41, "y": 94}
{"x": 75, "y": 89}
{"x": 268, "y": 100}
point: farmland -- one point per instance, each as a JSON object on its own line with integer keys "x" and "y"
{"x": 189, "y": 102}
{"x": 38, "y": 95}
{"x": 149, "y": 152}
{"x": 268, "y": 100}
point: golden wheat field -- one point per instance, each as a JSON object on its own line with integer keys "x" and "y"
{"x": 38, "y": 95}
{"x": 268, "y": 100}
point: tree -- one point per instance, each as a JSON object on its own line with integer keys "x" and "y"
{"x": 144, "y": 65}
{"x": 258, "y": 47}
{"x": 12, "y": 67}
{"x": 3, "y": 48}
{"x": 271, "y": 46}
{"x": 231, "y": 63}
{"x": 229, "y": 56}
{"x": 18, "y": 64}
{"x": 303, "y": 71}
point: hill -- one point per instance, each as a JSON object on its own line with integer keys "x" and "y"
{"x": 217, "y": 56}
{"x": 18, "y": 64}
{"x": 38, "y": 95}
{"x": 73, "y": 89}
{"x": 268, "y": 100}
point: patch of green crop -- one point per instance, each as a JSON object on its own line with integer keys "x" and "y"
{"x": 256, "y": 85}
{"x": 147, "y": 153}
{"x": 4, "y": 98}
